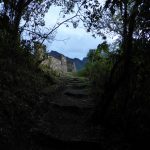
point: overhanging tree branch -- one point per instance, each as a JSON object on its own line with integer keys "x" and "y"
{"x": 57, "y": 26}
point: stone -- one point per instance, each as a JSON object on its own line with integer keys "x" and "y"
{"x": 58, "y": 62}
{"x": 60, "y": 65}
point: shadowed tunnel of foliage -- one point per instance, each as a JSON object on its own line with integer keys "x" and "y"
{"x": 120, "y": 77}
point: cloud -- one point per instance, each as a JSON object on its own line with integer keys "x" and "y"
{"x": 77, "y": 44}
{"x": 78, "y": 40}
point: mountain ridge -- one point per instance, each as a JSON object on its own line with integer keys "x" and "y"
{"x": 78, "y": 62}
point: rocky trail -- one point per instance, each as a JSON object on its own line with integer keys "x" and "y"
{"x": 66, "y": 122}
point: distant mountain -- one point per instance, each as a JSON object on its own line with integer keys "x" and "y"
{"x": 78, "y": 63}
{"x": 55, "y": 54}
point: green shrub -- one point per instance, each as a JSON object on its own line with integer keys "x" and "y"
{"x": 21, "y": 90}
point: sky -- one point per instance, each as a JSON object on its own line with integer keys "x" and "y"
{"x": 74, "y": 43}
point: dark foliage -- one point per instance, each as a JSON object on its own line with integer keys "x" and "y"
{"x": 125, "y": 106}
{"x": 120, "y": 79}
{"x": 21, "y": 86}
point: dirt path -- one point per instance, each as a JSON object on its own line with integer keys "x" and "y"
{"x": 76, "y": 92}
{"x": 66, "y": 123}
{"x": 69, "y": 111}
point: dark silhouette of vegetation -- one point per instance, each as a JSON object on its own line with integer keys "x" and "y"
{"x": 119, "y": 74}
{"x": 124, "y": 105}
